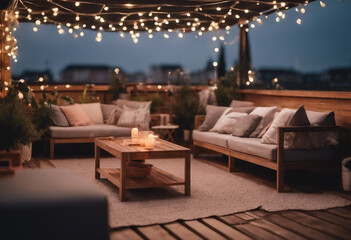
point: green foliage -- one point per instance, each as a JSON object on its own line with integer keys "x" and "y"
{"x": 16, "y": 125}
{"x": 226, "y": 88}
{"x": 118, "y": 85}
{"x": 89, "y": 96}
{"x": 185, "y": 106}
{"x": 156, "y": 101}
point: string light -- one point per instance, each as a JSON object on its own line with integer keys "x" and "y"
{"x": 322, "y": 4}
{"x": 299, "y": 21}
{"x": 77, "y": 4}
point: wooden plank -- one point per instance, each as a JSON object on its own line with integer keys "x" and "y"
{"x": 125, "y": 234}
{"x": 332, "y": 218}
{"x": 297, "y": 227}
{"x": 232, "y": 219}
{"x": 271, "y": 227}
{"x": 181, "y": 231}
{"x": 155, "y": 232}
{"x": 225, "y": 229}
{"x": 342, "y": 212}
{"x": 318, "y": 224}
{"x": 257, "y": 213}
{"x": 244, "y": 216}
{"x": 205, "y": 231}
{"x": 256, "y": 232}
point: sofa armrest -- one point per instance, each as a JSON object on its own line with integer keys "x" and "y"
{"x": 283, "y": 130}
{"x": 199, "y": 119}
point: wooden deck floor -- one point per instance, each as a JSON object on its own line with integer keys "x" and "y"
{"x": 257, "y": 224}
{"x": 327, "y": 224}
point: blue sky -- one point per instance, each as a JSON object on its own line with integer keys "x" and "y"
{"x": 322, "y": 41}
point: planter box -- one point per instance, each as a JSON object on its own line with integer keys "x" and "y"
{"x": 14, "y": 156}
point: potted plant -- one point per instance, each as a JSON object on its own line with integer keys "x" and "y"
{"x": 226, "y": 89}
{"x": 16, "y": 126}
{"x": 118, "y": 85}
{"x": 185, "y": 107}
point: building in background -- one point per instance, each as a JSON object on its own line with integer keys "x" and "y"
{"x": 204, "y": 76}
{"x": 36, "y": 76}
{"x": 160, "y": 74}
{"x": 82, "y": 74}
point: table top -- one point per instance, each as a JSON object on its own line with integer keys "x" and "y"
{"x": 163, "y": 148}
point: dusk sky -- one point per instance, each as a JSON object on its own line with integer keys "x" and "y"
{"x": 322, "y": 41}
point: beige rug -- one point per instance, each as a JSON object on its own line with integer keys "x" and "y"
{"x": 213, "y": 192}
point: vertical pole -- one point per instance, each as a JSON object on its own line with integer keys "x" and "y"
{"x": 243, "y": 56}
{"x": 5, "y": 70}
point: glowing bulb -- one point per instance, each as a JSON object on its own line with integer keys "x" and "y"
{"x": 37, "y": 22}
{"x": 158, "y": 29}
{"x": 159, "y": 86}
{"x": 218, "y": 9}
{"x": 277, "y": 19}
{"x": 81, "y": 34}
{"x": 322, "y": 4}
{"x": 221, "y": 38}
{"x": 246, "y": 11}
{"x": 151, "y": 36}
{"x": 169, "y": 15}
{"x": 70, "y": 30}
{"x": 216, "y": 49}
{"x": 215, "y": 64}
{"x": 247, "y": 83}
{"x": 302, "y": 10}
{"x": 68, "y": 86}
{"x": 35, "y": 29}
{"x": 180, "y": 35}
{"x": 106, "y": 8}
{"x": 275, "y": 80}
{"x": 77, "y": 4}
{"x": 61, "y": 31}
{"x": 40, "y": 79}
{"x": 237, "y": 16}
{"x": 77, "y": 18}
{"x": 283, "y": 4}
{"x": 298, "y": 21}
{"x": 29, "y": 10}
{"x": 214, "y": 38}
{"x": 135, "y": 40}
{"x": 188, "y": 14}
{"x": 166, "y": 36}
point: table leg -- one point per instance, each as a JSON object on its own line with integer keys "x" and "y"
{"x": 97, "y": 161}
{"x": 122, "y": 189}
{"x": 187, "y": 174}
{"x": 170, "y": 136}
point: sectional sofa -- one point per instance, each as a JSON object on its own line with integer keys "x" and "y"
{"x": 82, "y": 123}
{"x": 311, "y": 144}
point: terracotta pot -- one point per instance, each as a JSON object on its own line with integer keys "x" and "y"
{"x": 186, "y": 133}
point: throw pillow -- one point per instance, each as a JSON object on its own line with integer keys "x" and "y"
{"x": 322, "y": 139}
{"x": 287, "y": 117}
{"x": 132, "y": 104}
{"x": 226, "y": 122}
{"x": 243, "y": 109}
{"x": 267, "y": 114}
{"x": 57, "y": 117}
{"x": 213, "y": 113}
{"x": 106, "y": 111}
{"x": 93, "y": 110}
{"x": 134, "y": 117}
{"x": 114, "y": 116}
{"x": 245, "y": 125}
{"x": 76, "y": 115}
{"x": 267, "y": 127}
{"x": 237, "y": 103}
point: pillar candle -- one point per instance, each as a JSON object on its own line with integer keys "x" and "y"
{"x": 150, "y": 141}
{"x": 134, "y": 135}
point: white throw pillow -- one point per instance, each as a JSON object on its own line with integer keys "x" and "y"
{"x": 134, "y": 118}
{"x": 267, "y": 114}
{"x": 282, "y": 119}
{"x": 132, "y": 104}
{"x": 94, "y": 112}
{"x": 226, "y": 122}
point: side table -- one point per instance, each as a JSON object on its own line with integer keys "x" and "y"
{"x": 166, "y": 130}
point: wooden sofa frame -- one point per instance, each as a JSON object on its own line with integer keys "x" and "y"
{"x": 280, "y": 166}
{"x": 155, "y": 120}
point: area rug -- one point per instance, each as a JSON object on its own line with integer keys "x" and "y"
{"x": 213, "y": 192}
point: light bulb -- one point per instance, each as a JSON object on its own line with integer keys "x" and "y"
{"x": 298, "y": 21}
{"x": 77, "y": 4}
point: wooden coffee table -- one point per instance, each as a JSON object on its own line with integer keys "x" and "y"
{"x": 126, "y": 153}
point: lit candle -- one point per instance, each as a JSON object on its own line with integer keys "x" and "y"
{"x": 134, "y": 135}
{"x": 150, "y": 141}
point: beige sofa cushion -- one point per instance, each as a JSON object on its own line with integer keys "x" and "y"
{"x": 254, "y": 147}
{"x": 96, "y": 130}
{"x": 94, "y": 112}
{"x": 76, "y": 115}
{"x": 211, "y": 137}
{"x": 267, "y": 114}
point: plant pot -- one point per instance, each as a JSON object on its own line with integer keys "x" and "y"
{"x": 346, "y": 175}
{"x": 26, "y": 152}
{"x": 186, "y": 134}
